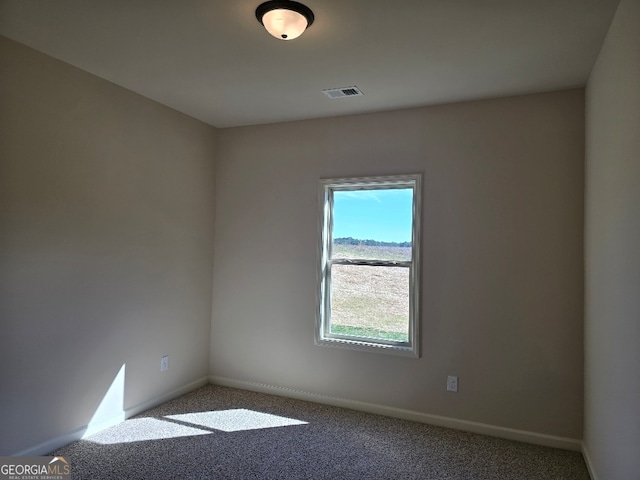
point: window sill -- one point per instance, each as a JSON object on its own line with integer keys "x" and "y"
{"x": 363, "y": 346}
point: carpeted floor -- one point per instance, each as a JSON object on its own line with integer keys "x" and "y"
{"x": 224, "y": 433}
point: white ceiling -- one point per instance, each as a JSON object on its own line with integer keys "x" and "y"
{"x": 211, "y": 59}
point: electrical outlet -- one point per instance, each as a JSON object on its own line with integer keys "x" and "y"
{"x": 164, "y": 363}
{"x": 452, "y": 384}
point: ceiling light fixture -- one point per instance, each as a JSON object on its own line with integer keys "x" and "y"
{"x": 284, "y": 19}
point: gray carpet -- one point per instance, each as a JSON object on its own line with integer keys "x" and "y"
{"x": 223, "y": 433}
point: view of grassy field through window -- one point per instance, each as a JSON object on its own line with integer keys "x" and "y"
{"x": 370, "y": 301}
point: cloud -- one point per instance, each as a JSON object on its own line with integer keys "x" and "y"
{"x": 377, "y": 195}
{"x": 360, "y": 195}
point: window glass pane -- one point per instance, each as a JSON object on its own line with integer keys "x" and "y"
{"x": 370, "y": 302}
{"x": 365, "y": 219}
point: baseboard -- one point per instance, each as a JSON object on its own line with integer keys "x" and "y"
{"x": 154, "y": 402}
{"x": 587, "y": 460}
{"x": 77, "y": 434}
{"x": 438, "y": 420}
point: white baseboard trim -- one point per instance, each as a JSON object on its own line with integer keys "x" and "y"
{"x": 587, "y": 460}
{"x": 77, "y": 434}
{"x": 154, "y": 402}
{"x": 438, "y": 420}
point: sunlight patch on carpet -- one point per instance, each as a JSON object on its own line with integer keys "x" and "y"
{"x": 235, "y": 420}
{"x": 144, "y": 429}
{"x": 189, "y": 424}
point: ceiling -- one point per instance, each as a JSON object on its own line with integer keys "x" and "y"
{"x": 213, "y": 60}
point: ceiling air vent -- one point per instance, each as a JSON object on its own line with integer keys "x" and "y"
{"x": 343, "y": 92}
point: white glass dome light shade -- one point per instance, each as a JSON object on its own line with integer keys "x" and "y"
{"x": 284, "y": 24}
{"x": 284, "y": 19}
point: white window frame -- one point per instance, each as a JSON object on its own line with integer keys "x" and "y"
{"x": 323, "y": 336}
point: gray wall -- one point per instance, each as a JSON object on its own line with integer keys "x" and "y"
{"x": 502, "y": 272}
{"x": 612, "y": 241}
{"x": 106, "y": 235}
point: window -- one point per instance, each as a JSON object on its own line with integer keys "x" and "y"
{"x": 368, "y": 264}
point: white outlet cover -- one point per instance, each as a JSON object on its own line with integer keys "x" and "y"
{"x": 164, "y": 363}
{"x": 452, "y": 383}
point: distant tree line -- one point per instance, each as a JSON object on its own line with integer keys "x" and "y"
{"x": 368, "y": 243}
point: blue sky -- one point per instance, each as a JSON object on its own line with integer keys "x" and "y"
{"x": 383, "y": 215}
